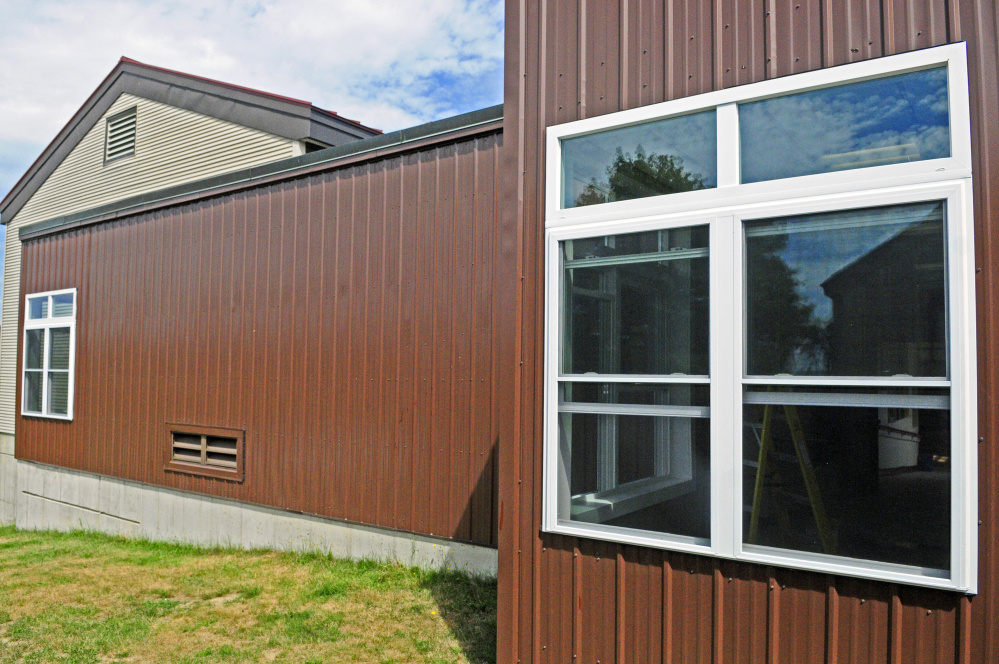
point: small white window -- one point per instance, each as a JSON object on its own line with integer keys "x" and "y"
{"x": 120, "y": 136}
{"x": 49, "y": 354}
{"x": 760, "y": 331}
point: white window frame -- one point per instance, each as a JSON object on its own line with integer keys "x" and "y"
{"x": 47, "y": 324}
{"x": 724, "y": 210}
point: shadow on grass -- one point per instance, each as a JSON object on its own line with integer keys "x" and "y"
{"x": 468, "y": 606}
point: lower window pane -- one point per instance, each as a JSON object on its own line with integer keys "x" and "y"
{"x": 58, "y": 393}
{"x": 33, "y": 391}
{"x": 34, "y": 340}
{"x": 861, "y": 481}
{"x": 646, "y": 472}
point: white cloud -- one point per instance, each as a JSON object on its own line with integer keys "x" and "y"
{"x": 388, "y": 65}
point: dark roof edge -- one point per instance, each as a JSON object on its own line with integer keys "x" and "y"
{"x": 483, "y": 121}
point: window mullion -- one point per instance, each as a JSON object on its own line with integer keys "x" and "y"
{"x": 728, "y": 145}
{"x": 45, "y": 369}
{"x": 725, "y": 331}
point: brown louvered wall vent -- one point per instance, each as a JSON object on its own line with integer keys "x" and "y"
{"x": 211, "y": 451}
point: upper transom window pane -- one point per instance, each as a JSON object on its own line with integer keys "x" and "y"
{"x": 891, "y": 120}
{"x": 650, "y": 159}
{"x": 62, "y": 305}
{"x": 38, "y": 307}
{"x": 852, "y": 293}
{"x": 637, "y": 303}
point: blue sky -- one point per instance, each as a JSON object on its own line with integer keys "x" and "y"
{"x": 858, "y": 122}
{"x": 387, "y": 64}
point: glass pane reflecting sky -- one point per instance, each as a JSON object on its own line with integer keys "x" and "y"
{"x": 890, "y": 120}
{"x": 650, "y": 159}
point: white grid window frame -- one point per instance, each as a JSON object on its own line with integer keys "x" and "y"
{"x": 724, "y": 209}
{"x": 47, "y": 323}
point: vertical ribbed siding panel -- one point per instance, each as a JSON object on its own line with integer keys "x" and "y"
{"x": 342, "y": 319}
{"x": 739, "y": 47}
{"x": 313, "y": 401}
{"x": 481, "y": 524}
{"x": 461, "y": 383}
{"x": 976, "y": 21}
{"x": 909, "y": 25}
{"x": 371, "y": 378}
{"x": 794, "y": 36}
{"x": 713, "y": 610}
{"x": 409, "y": 339}
{"x": 851, "y": 31}
{"x": 689, "y": 45}
{"x": 423, "y": 373}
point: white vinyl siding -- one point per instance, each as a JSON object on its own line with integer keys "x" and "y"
{"x": 173, "y": 146}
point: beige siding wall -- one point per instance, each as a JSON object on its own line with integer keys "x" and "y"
{"x": 173, "y": 146}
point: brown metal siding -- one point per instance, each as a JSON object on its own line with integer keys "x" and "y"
{"x": 342, "y": 319}
{"x": 566, "y": 599}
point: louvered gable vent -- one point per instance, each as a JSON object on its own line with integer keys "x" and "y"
{"x": 120, "y": 140}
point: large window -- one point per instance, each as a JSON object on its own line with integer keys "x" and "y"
{"x": 760, "y": 338}
{"x": 49, "y": 354}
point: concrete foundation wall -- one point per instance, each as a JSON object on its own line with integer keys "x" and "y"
{"x": 8, "y": 479}
{"x": 49, "y": 498}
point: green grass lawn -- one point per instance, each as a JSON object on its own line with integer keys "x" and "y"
{"x": 84, "y": 597}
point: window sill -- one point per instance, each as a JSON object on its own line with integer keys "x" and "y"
{"x": 42, "y": 416}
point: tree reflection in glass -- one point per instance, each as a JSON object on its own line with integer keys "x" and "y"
{"x": 640, "y": 176}
{"x": 656, "y": 158}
